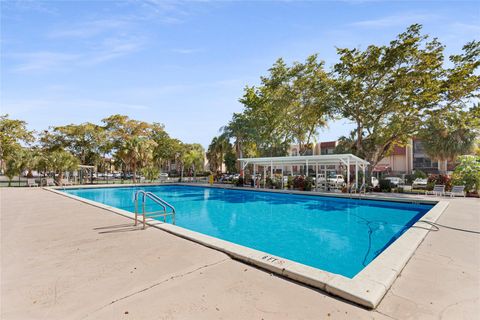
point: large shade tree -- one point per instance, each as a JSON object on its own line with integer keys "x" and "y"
{"x": 289, "y": 105}
{"x": 129, "y": 140}
{"x": 387, "y": 90}
{"x": 451, "y": 128}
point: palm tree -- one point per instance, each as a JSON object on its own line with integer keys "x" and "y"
{"x": 445, "y": 137}
{"x": 61, "y": 161}
{"x": 193, "y": 158}
{"x": 212, "y": 155}
{"x": 237, "y": 129}
{"x": 216, "y": 152}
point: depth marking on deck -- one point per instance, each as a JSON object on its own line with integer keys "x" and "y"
{"x": 272, "y": 259}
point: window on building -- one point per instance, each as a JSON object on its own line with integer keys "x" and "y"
{"x": 420, "y": 160}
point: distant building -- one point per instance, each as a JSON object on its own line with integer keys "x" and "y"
{"x": 402, "y": 160}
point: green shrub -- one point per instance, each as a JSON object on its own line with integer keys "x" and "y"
{"x": 239, "y": 182}
{"x": 385, "y": 185}
{"x": 441, "y": 179}
{"x": 308, "y": 184}
{"x": 268, "y": 183}
{"x": 299, "y": 183}
{"x": 430, "y": 185}
{"x": 409, "y": 178}
{"x": 419, "y": 174}
{"x": 467, "y": 173}
{"x": 290, "y": 182}
{"x": 277, "y": 183}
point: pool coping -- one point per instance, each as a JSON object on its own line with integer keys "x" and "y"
{"x": 367, "y": 288}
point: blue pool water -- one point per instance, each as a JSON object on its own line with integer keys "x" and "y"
{"x": 334, "y": 234}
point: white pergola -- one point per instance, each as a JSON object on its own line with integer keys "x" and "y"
{"x": 319, "y": 162}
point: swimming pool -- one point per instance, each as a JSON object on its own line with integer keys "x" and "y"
{"x": 338, "y": 235}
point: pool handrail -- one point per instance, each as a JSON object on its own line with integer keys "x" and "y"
{"x": 164, "y": 204}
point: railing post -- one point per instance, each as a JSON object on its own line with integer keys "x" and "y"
{"x": 136, "y": 208}
{"x": 143, "y": 211}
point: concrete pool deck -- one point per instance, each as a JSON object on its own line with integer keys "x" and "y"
{"x": 65, "y": 259}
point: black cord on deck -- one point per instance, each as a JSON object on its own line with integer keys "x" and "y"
{"x": 437, "y": 225}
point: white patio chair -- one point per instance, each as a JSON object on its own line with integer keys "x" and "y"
{"x": 353, "y": 188}
{"x": 457, "y": 191}
{"x": 363, "y": 188}
{"x": 32, "y": 183}
{"x": 66, "y": 182}
{"x": 49, "y": 182}
{"x": 438, "y": 190}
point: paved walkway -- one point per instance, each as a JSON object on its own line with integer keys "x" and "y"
{"x": 63, "y": 259}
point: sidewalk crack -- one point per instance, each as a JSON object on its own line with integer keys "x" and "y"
{"x": 157, "y": 284}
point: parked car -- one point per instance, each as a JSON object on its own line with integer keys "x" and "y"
{"x": 420, "y": 183}
{"x": 396, "y": 181}
{"x": 336, "y": 179}
{"x": 320, "y": 177}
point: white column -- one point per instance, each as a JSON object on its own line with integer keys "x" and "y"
{"x": 363, "y": 179}
{"x": 306, "y": 173}
{"x": 282, "y": 176}
{"x": 264, "y": 176}
{"x": 348, "y": 172}
{"x": 356, "y": 174}
{"x": 325, "y": 174}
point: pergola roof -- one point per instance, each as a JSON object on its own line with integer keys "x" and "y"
{"x": 327, "y": 159}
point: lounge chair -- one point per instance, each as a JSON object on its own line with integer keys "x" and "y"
{"x": 32, "y": 183}
{"x": 457, "y": 191}
{"x": 353, "y": 188}
{"x": 49, "y": 182}
{"x": 438, "y": 190}
{"x": 363, "y": 188}
{"x": 66, "y": 182}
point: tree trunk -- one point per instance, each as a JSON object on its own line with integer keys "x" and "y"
{"x": 60, "y": 178}
{"x": 134, "y": 172}
{"x": 359, "y": 137}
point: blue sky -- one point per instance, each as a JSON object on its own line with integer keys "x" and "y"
{"x": 185, "y": 64}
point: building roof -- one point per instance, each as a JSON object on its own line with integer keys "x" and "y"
{"x": 327, "y": 159}
{"x": 328, "y": 144}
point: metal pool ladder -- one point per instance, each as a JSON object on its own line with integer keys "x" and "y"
{"x": 164, "y": 204}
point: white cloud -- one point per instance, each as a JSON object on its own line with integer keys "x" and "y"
{"x": 112, "y": 48}
{"x": 43, "y": 60}
{"x": 20, "y": 107}
{"x": 466, "y": 28}
{"x": 90, "y": 28}
{"x": 187, "y": 50}
{"x": 395, "y": 20}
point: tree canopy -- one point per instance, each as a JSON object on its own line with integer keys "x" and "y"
{"x": 390, "y": 93}
{"x": 134, "y": 145}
